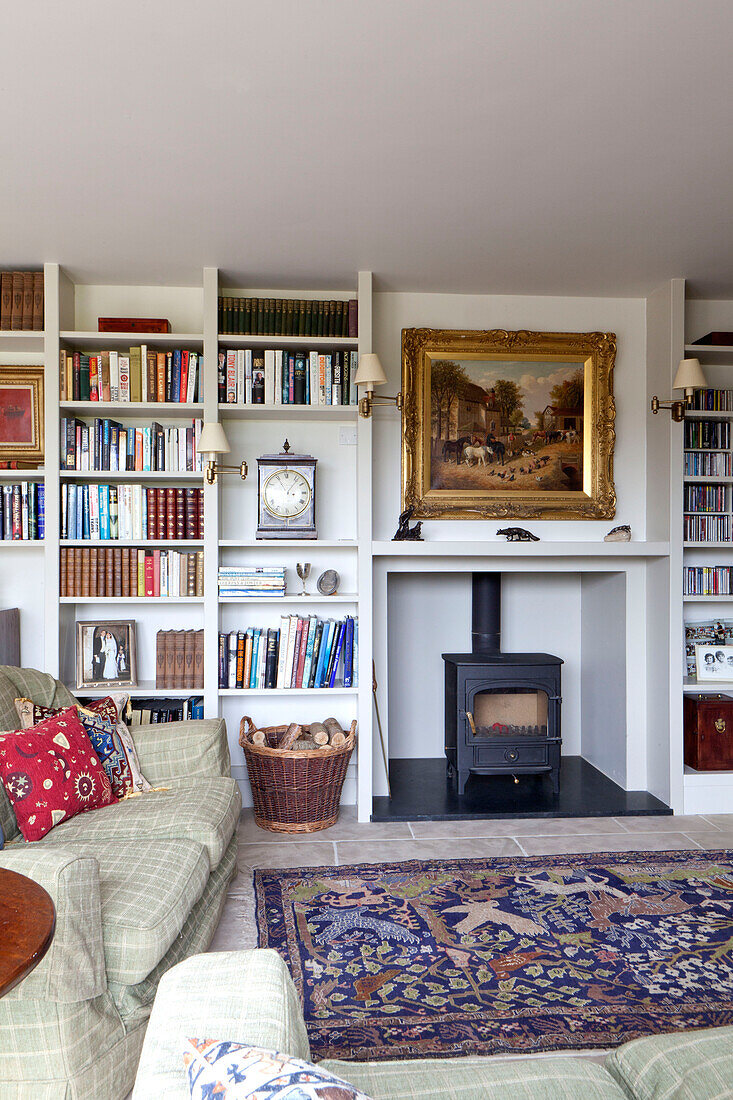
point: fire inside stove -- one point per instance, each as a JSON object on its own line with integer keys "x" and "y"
{"x": 509, "y": 713}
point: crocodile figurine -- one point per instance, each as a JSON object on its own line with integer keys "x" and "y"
{"x": 518, "y": 534}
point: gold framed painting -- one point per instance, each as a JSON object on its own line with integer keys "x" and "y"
{"x": 498, "y": 423}
{"x": 21, "y": 413}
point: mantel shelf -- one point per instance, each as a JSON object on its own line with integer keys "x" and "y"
{"x": 521, "y": 549}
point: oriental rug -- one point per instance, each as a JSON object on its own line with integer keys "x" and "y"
{"x": 511, "y": 954}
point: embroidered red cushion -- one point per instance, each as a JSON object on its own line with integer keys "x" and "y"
{"x": 51, "y": 773}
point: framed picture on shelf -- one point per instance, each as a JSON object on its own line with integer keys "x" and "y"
{"x": 498, "y": 423}
{"x": 714, "y": 662}
{"x": 106, "y": 654}
{"x": 21, "y": 413}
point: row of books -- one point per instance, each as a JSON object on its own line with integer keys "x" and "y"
{"x": 712, "y": 400}
{"x": 108, "y": 445}
{"x": 102, "y": 512}
{"x": 21, "y": 300}
{"x": 22, "y": 514}
{"x": 707, "y": 528}
{"x": 719, "y": 632}
{"x": 179, "y": 659}
{"x": 706, "y": 580}
{"x": 137, "y": 375}
{"x": 275, "y": 377}
{"x": 705, "y": 498}
{"x": 707, "y": 434}
{"x": 304, "y": 653}
{"x": 288, "y": 317}
{"x": 129, "y": 573}
{"x": 251, "y": 580}
{"x": 698, "y": 464}
{"x": 152, "y": 711}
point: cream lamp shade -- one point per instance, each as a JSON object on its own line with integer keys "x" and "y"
{"x": 689, "y": 375}
{"x": 370, "y": 372}
{"x": 213, "y": 440}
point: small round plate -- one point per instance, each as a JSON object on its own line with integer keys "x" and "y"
{"x": 328, "y": 583}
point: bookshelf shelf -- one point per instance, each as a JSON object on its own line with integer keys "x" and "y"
{"x": 20, "y": 544}
{"x": 707, "y": 545}
{"x": 267, "y": 692}
{"x": 700, "y": 478}
{"x": 21, "y": 340}
{"x": 347, "y": 597}
{"x": 709, "y": 349}
{"x": 156, "y": 544}
{"x": 116, "y": 340}
{"x": 131, "y": 599}
{"x": 288, "y": 412}
{"x": 22, "y": 475}
{"x": 289, "y": 544}
{"x": 706, "y": 599}
{"x": 143, "y": 689}
{"x": 131, "y": 475}
{"x": 307, "y": 343}
{"x": 119, "y": 410}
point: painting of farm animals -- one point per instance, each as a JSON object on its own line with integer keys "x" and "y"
{"x": 507, "y": 425}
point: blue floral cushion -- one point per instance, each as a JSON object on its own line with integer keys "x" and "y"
{"x": 234, "y": 1071}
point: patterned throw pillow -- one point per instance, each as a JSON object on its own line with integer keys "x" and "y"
{"x": 51, "y": 773}
{"x": 234, "y": 1071}
{"x": 111, "y": 740}
{"x": 112, "y": 707}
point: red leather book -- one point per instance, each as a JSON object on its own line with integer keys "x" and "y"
{"x": 63, "y": 566}
{"x": 93, "y": 571}
{"x": 170, "y": 512}
{"x": 152, "y": 513}
{"x": 200, "y": 499}
{"x": 38, "y": 301}
{"x": 180, "y": 514}
{"x": 191, "y": 517}
{"x": 132, "y": 324}
{"x": 303, "y": 649}
{"x": 149, "y": 576}
{"x": 117, "y": 572}
{"x": 125, "y": 571}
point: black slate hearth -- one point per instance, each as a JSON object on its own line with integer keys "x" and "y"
{"x": 421, "y": 791}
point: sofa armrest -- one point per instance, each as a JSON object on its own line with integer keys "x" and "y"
{"x": 177, "y": 750}
{"x": 242, "y": 996}
{"x": 73, "y": 968}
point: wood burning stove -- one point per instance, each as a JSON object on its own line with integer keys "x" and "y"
{"x": 502, "y": 710}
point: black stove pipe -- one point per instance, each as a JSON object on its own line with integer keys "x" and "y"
{"x": 486, "y": 612}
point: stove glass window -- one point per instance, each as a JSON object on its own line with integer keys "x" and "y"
{"x": 509, "y": 713}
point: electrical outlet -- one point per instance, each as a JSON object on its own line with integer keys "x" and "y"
{"x": 347, "y": 435}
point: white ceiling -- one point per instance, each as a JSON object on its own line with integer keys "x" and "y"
{"x": 502, "y": 146}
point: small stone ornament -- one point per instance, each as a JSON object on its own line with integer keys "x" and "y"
{"x": 404, "y": 532}
{"x": 622, "y": 533}
{"x": 518, "y": 534}
{"x": 328, "y": 583}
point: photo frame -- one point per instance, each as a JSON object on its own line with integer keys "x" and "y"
{"x": 21, "y": 413}
{"x": 713, "y": 663}
{"x": 106, "y": 654}
{"x": 502, "y": 424}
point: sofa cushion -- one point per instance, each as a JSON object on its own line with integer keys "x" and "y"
{"x": 38, "y": 686}
{"x": 52, "y": 772}
{"x": 236, "y": 1071}
{"x": 205, "y": 810}
{"x": 689, "y": 1065}
{"x": 147, "y": 889}
{"x": 487, "y": 1078}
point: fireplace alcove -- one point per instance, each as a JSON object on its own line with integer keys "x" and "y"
{"x": 581, "y": 619}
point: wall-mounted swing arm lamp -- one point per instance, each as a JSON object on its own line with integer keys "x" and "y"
{"x": 369, "y": 374}
{"x": 689, "y": 377}
{"x": 213, "y": 442}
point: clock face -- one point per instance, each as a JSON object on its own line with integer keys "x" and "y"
{"x": 286, "y": 494}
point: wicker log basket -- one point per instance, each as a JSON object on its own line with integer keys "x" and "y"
{"x": 294, "y": 790}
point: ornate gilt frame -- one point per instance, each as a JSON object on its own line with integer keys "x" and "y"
{"x": 596, "y": 351}
{"x": 31, "y": 377}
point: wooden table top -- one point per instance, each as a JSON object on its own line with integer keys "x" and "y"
{"x": 27, "y": 925}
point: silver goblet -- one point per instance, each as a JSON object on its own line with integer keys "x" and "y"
{"x": 303, "y": 570}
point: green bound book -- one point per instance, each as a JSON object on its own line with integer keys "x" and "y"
{"x": 260, "y": 324}
{"x": 247, "y": 319}
{"x": 278, "y": 316}
{"x": 319, "y": 320}
{"x": 308, "y": 322}
{"x": 288, "y": 326}
{"x": 236, "y": 314}
{"x": 301, "y": 318}
{"x": 227, "y": 315}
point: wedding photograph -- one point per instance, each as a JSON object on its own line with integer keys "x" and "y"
{"x": 105, "y": 654}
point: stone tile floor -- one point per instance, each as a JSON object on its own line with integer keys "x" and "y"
{"x": 352, "y": 842}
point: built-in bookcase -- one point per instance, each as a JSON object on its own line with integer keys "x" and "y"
{"x": 335, "y": 435}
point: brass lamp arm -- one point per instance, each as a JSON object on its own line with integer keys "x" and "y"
{"x": 676, "y": 408}
{"x": 214, "y": 468}
{"x": 369, "y": 399}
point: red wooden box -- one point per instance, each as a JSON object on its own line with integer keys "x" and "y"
{"x": 133, "y": 324}
{"x": 709, "y": 732}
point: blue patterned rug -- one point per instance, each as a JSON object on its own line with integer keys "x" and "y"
{"x": 482, "y": 956}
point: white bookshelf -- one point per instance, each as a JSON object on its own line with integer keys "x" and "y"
{"x": 343, "y": 499}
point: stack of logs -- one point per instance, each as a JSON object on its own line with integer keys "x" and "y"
{"x": 318, "y": 735}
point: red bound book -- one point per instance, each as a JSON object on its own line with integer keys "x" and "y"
{"x": 200, "y": 500}
{"x": 296, "y": 654}
{"x": 152, "y": 513}
{"x": 184, "y": 375}
{"x": 180, "y": 514}
{"x": 63, "y": 566}
{"x": 156, "y": 572}
{"x": 170, "y": 512}
{"x": 126, "y": 572}
{"x": 117, "y": 572}
{"x": 191, "y": 513}
{"x": 93, "y": 572}
{"x": 160, "y": 513}
{"x": 149, "y": 578}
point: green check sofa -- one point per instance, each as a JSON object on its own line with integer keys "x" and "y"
{"x": 137, "y": 886}
{"x": 249, "y": 997}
